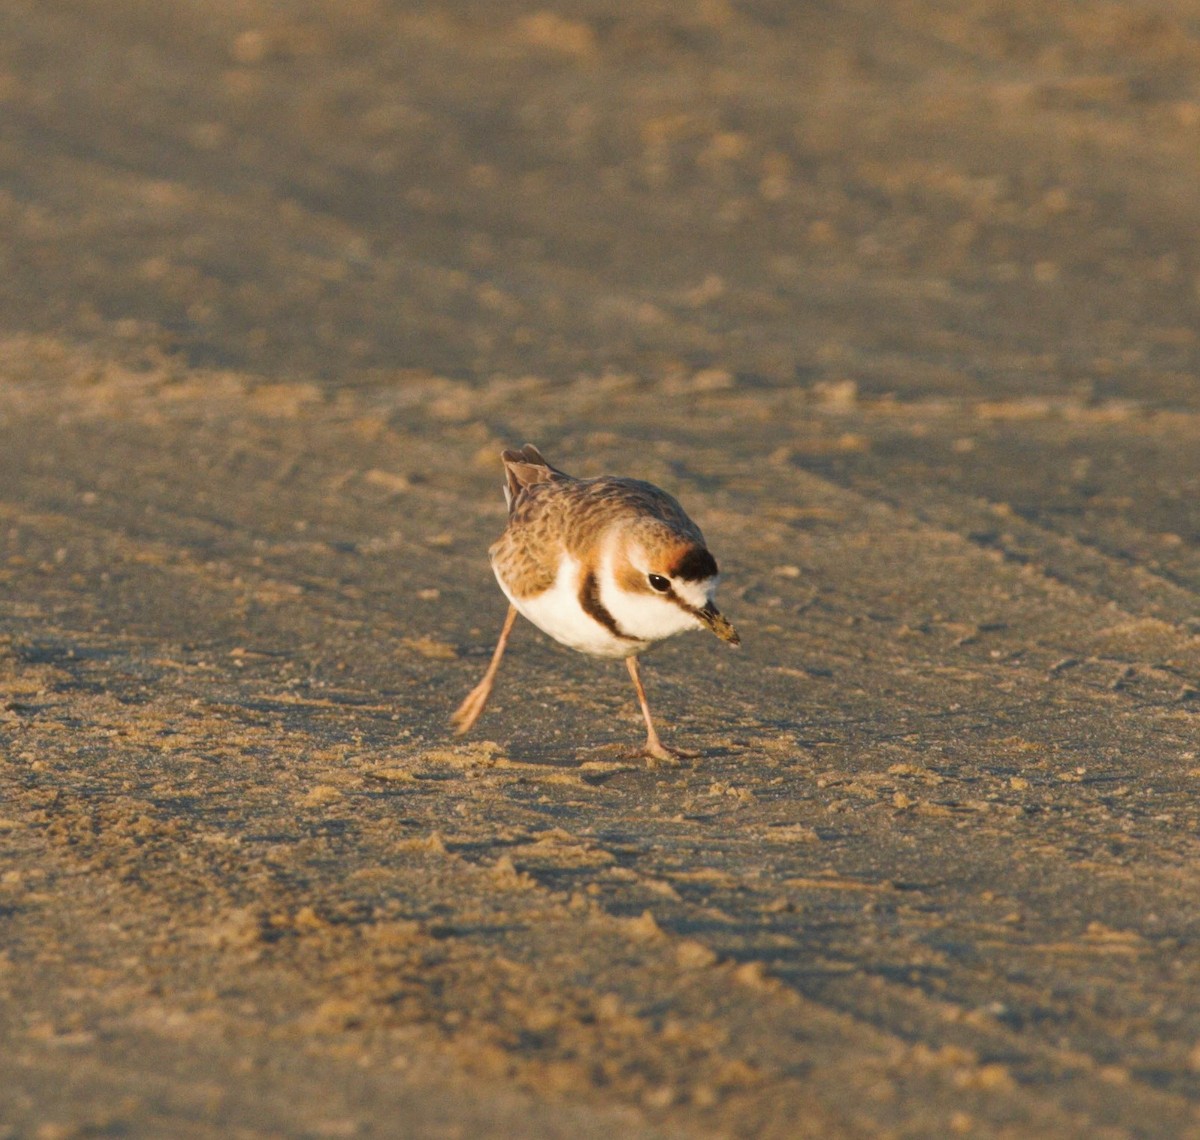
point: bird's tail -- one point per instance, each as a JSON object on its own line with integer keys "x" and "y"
{"x": 525, "y": 468}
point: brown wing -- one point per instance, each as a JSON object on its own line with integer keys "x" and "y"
{"x": 527, "y": 554}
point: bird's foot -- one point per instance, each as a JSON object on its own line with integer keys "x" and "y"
{"x": 660, "y": 755}
{"x": 472, "y": 707}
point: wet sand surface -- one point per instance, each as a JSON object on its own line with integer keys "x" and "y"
{"x": 899, "y": 300}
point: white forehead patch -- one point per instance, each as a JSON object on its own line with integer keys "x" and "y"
{"x": 697, "y": 594}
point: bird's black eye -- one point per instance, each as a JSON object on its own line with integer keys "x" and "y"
{"x": 661, "y": 584}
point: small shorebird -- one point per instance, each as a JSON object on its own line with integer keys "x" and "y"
{"x": 606, "y": 566}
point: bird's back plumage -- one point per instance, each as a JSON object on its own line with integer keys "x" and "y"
{"x": 552, "y": 514}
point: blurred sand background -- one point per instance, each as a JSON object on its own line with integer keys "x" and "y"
{"x": 901, "y": 300}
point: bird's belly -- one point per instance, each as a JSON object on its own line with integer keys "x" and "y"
{"x": 558, "y": 613}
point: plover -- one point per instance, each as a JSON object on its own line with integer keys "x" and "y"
{"x": 607, "y": 566}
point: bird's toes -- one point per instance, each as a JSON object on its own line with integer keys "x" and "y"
{"x": 468, "y": 712}
{"x": 659, "y": 755}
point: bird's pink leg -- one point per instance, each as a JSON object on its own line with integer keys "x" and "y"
{"x": 476, "y": 700}
{"x": 654, "y": 747}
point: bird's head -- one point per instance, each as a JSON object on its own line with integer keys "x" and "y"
{"x": 673, "y": 581}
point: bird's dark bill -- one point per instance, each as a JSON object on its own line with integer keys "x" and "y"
{"x": 719, "y": 624}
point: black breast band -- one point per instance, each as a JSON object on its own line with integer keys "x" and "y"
{"x": 589, "y": 598}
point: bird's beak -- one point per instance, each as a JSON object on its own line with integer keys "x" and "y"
{"x": 718, "y": 623}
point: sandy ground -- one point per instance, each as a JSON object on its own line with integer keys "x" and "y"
{"x": 899, "y": 299}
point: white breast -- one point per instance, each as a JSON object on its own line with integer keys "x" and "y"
{"x": 557, "y": 612}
